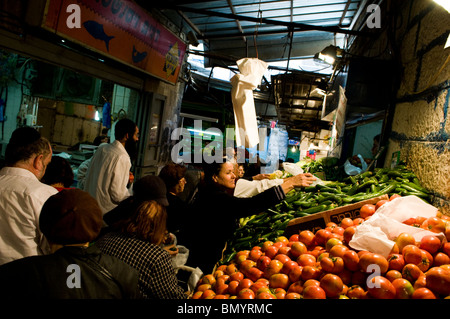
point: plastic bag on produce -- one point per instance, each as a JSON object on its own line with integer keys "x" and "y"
{"x": 377, "y": 234}
{"x": 181, "y": 258}
{"x": 292, "y": 168}
{"x": 354, "y": 170}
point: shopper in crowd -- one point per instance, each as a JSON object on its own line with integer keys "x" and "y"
{"x": 22, "y": 195}
{"x": 215, "y": 211}
{"x": 59, "y": 173}
{"x": 137, "y": 234}
{"x": 109, "y": 171}
{"x": 173, "y": 176}
{"x": 70, "y": 220}
{"x": 82, "y": 169}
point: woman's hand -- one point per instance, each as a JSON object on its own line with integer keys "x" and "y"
{"x": 300, "y": 180}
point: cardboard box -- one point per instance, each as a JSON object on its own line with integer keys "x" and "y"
{"x": 317, "y": 221}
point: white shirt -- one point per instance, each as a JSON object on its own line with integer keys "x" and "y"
{"x": 245, "y": 188}
{"x": 108, "y": 174}
{"x": 22, "y": 196}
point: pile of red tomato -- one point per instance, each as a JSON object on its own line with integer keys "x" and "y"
{"x": 322, "y": 265}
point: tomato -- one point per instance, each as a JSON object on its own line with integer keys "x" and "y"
{"x": 412, "y": 254}
{"x": 421, "y": 282}
{"x": 244, "y": 283}
{"x": 221, "y": 288}
{"x": 285, "y": 250}
{"x": 346, "y": 222}
{"x": 348, "y": 233}
{"x": 394, "y": 196}
{"x": 332, "y": 285}
{"x": 391, "y": 275}
{"x": 380, "y": 287}
{"x": 203, "y": 287}
{"x": 254, "y": 273}
{"x": 263, "y": 262}
{"x": 282, "y": 239}
{"x": 438, "y": 280}
{"x": 223, "y": 279}
{"x": 221, "y": 296}
{"x": 283, "y": 258}
{"x": 294, "y": 237}
{"x": 293, "y": 295}
{"x": 311, "y": 282}
{"x": 403, "y": 288}
{"x": 338, "y": 230}
{"x": 446, "y": 248}
{"x": 322, "y": 255}
{"x": 232, "y": 287}
{"x": 246, "y": 265}
{"x": 359, "y": 278}
{"x": 306, "y": 260}
{"x": 357, "y": 221}
{"x": 423, "y": 293}
{"x": 288, "y": 266}
{"x": 238, "y": 276}
{"x": 346, "y": 276}
{"x": 280, "y": 293}
{"x": 426, "y": 261}
{"x": 310, "y": 272}
{"x": 208, "y": 279}
{"x": 208, "y": 294}
{"x": 411, "y": 272}
{"x": 355, "y": 292}
{"x": 314, "y": 292}
{"x": 380, "y": 203}
{"x": 338, "y": 250}
{"x": 274, "y": 267}
{"x": 396, "y": 262}
{"x": 430, "y": 243}
{"x": 321, "y": 236}
{"x": 266, "y": 245}
{"x": 296, "y": 287}
{"x": 403, "y": 240}
{"x": 255, "y": 254}
{"x": 197, "y": 295}
{"x": 441, "y": 259}
{"x": 434, "y": 224}
{"x": 246, "y": 293}
{"x": 367, "y": 210}
{"x": 331, "y": 225}
{"x": 307, "y": 237}
{"x": 279, "y": 281}
{"x": 231, "y": 269}
{"x": 332, "y": 264}
{"x": 271, "y": 251}
{"x": 258, "y": 285}
{"x": 265, "y": 295}
{"x": 295, "y": 274}
{"x": 371, "y": 262}
{"x": 297, "y": 248}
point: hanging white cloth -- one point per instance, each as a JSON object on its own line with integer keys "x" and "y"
{"x": 243, "y": 84}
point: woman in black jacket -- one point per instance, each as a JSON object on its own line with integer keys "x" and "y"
{"x": 215, "y": 211}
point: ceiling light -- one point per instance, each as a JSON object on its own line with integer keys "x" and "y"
{"x": 331, "y": 54}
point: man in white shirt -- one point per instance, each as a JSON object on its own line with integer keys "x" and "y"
{"x": 22, "y": 195}
{"x": 109, "y": 171}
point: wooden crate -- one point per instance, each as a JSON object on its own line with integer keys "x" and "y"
{"x": 317, "y": 221}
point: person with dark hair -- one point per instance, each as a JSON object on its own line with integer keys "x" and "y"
{"x": 22, "y": 195}
{"x": 137, "y": 233}
{"x": 108, "y": 173}
{"x": 70, "y": 220}
{"x": 59, "y": 173}
{"x": 173, "y": 176}
{"x": 214, "y": 213}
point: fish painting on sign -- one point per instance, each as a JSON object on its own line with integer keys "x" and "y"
{"x": 138, "y": 56}
{"x": 96, "y": 30}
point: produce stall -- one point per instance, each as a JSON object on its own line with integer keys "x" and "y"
{"x": 304, "y": 247}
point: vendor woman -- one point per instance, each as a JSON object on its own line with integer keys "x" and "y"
{"x": 214, "y": 213}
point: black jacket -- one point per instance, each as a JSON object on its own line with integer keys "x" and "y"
{"x": 212, "y": 221}
{"x": 56, "y": 276}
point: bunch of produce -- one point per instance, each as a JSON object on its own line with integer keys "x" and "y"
{"x": 322, "y": 265}
{"x": 327, "y": 165}
{"x": 303, "y": 202}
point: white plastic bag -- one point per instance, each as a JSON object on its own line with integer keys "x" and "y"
{"x": 292, "y": 168}
{"x": 377, "y": 234}
{"x": 354, "y": 170}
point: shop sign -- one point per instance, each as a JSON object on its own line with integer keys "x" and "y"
{"x": 121, "y": 30}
